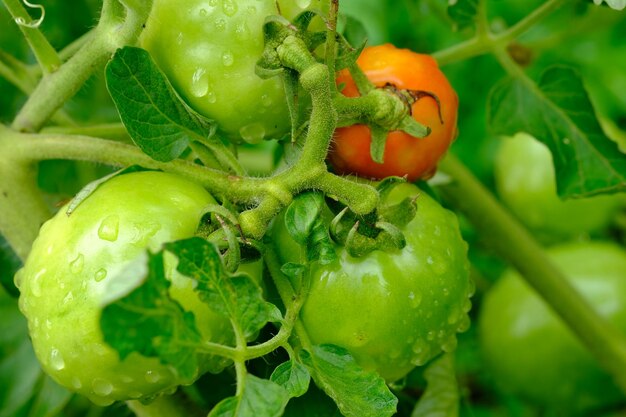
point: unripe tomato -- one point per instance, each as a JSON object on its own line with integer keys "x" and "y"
{"x": 404, "y": 155}
{"x": 209, "y": 50}
{"x": 532, "y": 353}
{"x": 526, "y": 182}
{"x": 72, "y": 263}
{"x": 393, "y": 310}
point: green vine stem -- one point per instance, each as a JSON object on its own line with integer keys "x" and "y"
{"x": 484, "y": 41}
{"x": 516, "y": 245}
{"x": 28, "y": 148}
{"x": 117, "y": 27}
{"x": 23, "y": 210}
{"x": 45, "y": 54}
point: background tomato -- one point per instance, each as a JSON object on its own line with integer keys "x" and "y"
{"x": 392, "y": 310}
{"x": 209, "y": 50}
{"x": 73, "y": 262}
{"x": 532, "y": 353}
{"x": 404, "y": 155}
{"x": 525, "y": 181}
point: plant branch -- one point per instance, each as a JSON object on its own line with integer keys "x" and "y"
{"x": 35, "y": 147}
{"x": 516, "y": 245}
{"x": 484, "y": 41}
{"x": 45, "y": 54}
{"x": 117, "y": 27}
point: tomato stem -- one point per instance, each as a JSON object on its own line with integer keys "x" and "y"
{"x": 116, "y": 28}
{"x": 516, "y": 245}
{"x": 484, "y": 41}
{"x": 45, "y": 54}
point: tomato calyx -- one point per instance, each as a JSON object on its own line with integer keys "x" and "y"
{"x": 378, "y": 230}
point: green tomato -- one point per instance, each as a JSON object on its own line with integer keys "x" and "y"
{"x": 72, "y": 263}
{"x": 209, "y": 50}
{"x": 525, "y": 180}
{"x": 391, "y": 310}
{"x": 532, "y": 353}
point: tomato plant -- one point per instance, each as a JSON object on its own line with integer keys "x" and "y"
{"x": 393, "y": 310}
{"x": 386, "y": 65}
{"x": 209, "y": 51}
{"x": 79, "y": 259}
{"x": 274, "y": 241}
{"x": 525, "y": 180}
{"x": 551, "y": 366}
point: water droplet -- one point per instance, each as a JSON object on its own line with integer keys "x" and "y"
{"x": 415, "y": 299}
{"x": 48, "y": 324}
{"x": 227, "y": 59}
{"x": 251, "y": 9}
{"x": 127, "y": 379}
{"x": 395, "y": 353}
{"x": 252, "y": 133}
{"x": 135, "y": 394}
{"x": 76, "y": 266}
{"x": 211, "y": 96}
{"x": 18, "y": 278}
{"x": 241, "y": 32}
{"x": 472, "y": 288}
{"x": 212, "y": 3}
{"x": 56, "y": 360}
{"x": 446, "y": 292}
{"x": 229, "y": 7}
{"x": 464, "y": 324}
{"x": 69, "y": 297}
{"x": 418, "y": 347}
{"x": 467, "y": 305}
{"x": 99, "y": 349}
{"x": 203, "y": 12}
{"x": 430, "y": 335}
{"x": 109, "y": 228}
{"x": 266, "y": 100}
{"x": 454, "y": 317}
{"x": 179, "y": 38}
{"x": 100, "y": 274}
{"x": 35, "y": 284}
{"x": 566, "y": 141}
{"x": 450, "y": 344}
{"x": 303, "y": 4}
{"x": 430, "y": 260}
{"x": 199, "y": 82}
{"x": 102, "y": 387}
{"x": 220, "y": 24}
{"x": 76, "y": 383}
{"x": 153, "y": 376}
{"x": 441, "y": 334}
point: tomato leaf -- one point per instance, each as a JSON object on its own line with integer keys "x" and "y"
{"x": 236, "y": 296}
{"x": 356, "y": 392}
{"x": 558, "y": 112}
{"x": 304, "y": 222}
{"x": 147, "y": 320}
{"x": 464, "y": 13}
{"x": 155, "y": 117}
{"x": 441, "y": 398}
{"x": 260, "y": 398}
{"x": 292, "y": 376}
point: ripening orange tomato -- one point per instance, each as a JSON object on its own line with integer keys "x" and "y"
{"x": 404, "y": 155}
